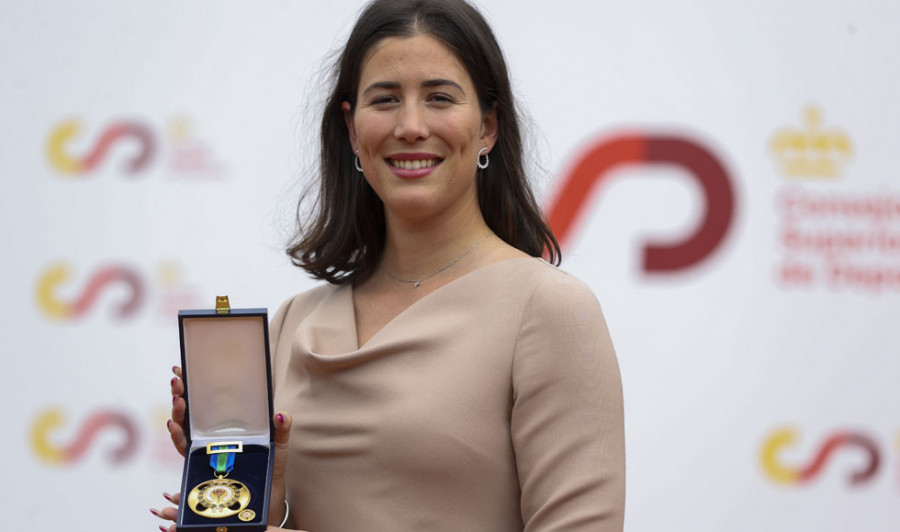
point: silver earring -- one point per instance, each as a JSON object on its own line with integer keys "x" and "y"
{"x": 356, "y": 162}
{"x": 486, "y": 162}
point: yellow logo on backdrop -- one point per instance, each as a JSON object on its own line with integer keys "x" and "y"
{"x": 122, "y": 287}
{"x": 811, "y": 151}
{"x": 779, "y": 440}
{"x": 40, "y": 440}
{"x": 100, "y": 421}
{"x": 58, "y": 308}
{"x": 135, "y": 144}
{"x": 115, "y": 133}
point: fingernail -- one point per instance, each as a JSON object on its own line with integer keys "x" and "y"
{"x": 156, "y": 513}
{"x": 168, "y": 497}
{"x": 175, "y": 398}
{"x": 280, "y": 418}
{"x": 172, "y": 382}
{"x": 168, "y": 426}
{"x": 175, "y": 370}
{"x": 163, "y": 529}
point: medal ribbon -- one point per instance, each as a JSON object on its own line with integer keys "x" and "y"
{"x": 222, "y": 462}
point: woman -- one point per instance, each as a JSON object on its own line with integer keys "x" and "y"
{"x": 447, "y": 378}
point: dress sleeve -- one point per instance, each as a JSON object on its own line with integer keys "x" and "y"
{"x": 567, "y": 423}
{"x": 275, "y": 328}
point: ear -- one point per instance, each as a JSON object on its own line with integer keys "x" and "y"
{"x": 348, "y": 119}
{"x": 489, "y": 128}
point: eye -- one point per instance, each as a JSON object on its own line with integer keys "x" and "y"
{"x": 382, "y": 100}
{"x": 441, "y": 98}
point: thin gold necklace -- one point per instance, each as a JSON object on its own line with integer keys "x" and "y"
{"x": 417, "y": 282}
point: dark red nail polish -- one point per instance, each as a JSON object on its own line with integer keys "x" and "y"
{"x": 163, "y": 529}
{"x": 280, "y": 418}
{"x": 174, "y": 398}
{"x": 172, "y": 382}
{"x": 169, "y": 426}
{"x": 168, "y": 497}
{"x": 155, "y": 512}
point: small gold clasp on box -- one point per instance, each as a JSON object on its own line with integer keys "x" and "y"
{"x": 226, "y": 447}
{"x": 222, "y": 305}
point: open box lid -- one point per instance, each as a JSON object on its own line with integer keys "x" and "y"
{"x": 225, "y": 364}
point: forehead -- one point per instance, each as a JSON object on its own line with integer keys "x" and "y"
{"x": 415, "y": 58}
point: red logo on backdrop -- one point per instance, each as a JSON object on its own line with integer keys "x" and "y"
{"x": 188, "y": 156}
{"x": 107, "y": 276}
{"x": 125, "y": 283}
{"x": 95, "y": 431}
{"x": 101, "y": 421}
{"x": 777, "y": 471}
{"x": 593, "y": 167}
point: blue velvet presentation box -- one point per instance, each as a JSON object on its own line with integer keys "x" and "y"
{"x": 228, "y": 389}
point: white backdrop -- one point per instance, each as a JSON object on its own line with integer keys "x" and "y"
{"x": 150, "y": 155}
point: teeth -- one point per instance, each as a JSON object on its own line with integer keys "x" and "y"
{"x": 414, "y": 165}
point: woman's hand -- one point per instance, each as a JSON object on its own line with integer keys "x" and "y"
{"x": 175, "y": 425}
{"x": 283, "y": 423}
{"x": 179, "y": 406}
{"x": 169, "y": 513}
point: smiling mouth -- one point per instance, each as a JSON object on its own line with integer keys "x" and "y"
{"x": 414, "y": 165}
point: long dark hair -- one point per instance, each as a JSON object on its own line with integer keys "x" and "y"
{"x": 344, "y": 241}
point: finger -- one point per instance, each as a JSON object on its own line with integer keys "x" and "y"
{"x": 177, "y": 386}
{"x": 179, "y": 406}
{"x": 168, "y": 513}
{"x": 176, "y": 432}
{"x": 177, "y": 371}
{"x": 283, "y": 423}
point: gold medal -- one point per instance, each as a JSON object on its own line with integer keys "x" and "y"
{"x": 220, "y": 497}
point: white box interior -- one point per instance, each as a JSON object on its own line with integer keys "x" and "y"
{"x": 225, "y": 372}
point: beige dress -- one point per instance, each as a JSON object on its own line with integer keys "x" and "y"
{"x": 492, "y": 404}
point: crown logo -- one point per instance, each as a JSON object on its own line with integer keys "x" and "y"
{"x": 811, "y": 152}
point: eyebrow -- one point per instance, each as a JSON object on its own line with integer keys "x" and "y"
{"x": 427, "y": 83}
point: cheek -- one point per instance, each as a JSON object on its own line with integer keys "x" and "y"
{"x": 468, "y": 133}
{"x": 371, "y": 130}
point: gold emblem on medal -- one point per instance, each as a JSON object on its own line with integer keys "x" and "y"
{"x": 218, "y": 498}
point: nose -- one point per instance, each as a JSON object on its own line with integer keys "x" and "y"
{"x": 411, "y": 125}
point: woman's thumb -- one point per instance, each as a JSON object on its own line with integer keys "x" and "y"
{"x": 282, "y": 438}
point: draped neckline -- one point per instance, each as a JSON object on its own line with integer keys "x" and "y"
{"x": 330, "y": 334}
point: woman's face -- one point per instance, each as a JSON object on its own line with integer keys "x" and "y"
{"x": 418, "y": 128}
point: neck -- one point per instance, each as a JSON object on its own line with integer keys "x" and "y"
{"x": 414, "y": 251}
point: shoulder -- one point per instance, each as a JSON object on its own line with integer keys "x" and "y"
{"x": 551, "y": 288}
{"x": 307, "y": 299}
{"x": 561, "y": 317}
{"x": 300, "y": 305}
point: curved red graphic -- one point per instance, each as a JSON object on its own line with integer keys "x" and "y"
{"x": 778, "y": 471}
{"x": 67, "y": 163}
{"x": 831, "y": 445}
{"x": 594, "y": 166}
{"x": 107, "y": 276}
{"x": 100, "y": 421}
{"x": 120, "y": 130}
{"x": 57, "y": 275}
